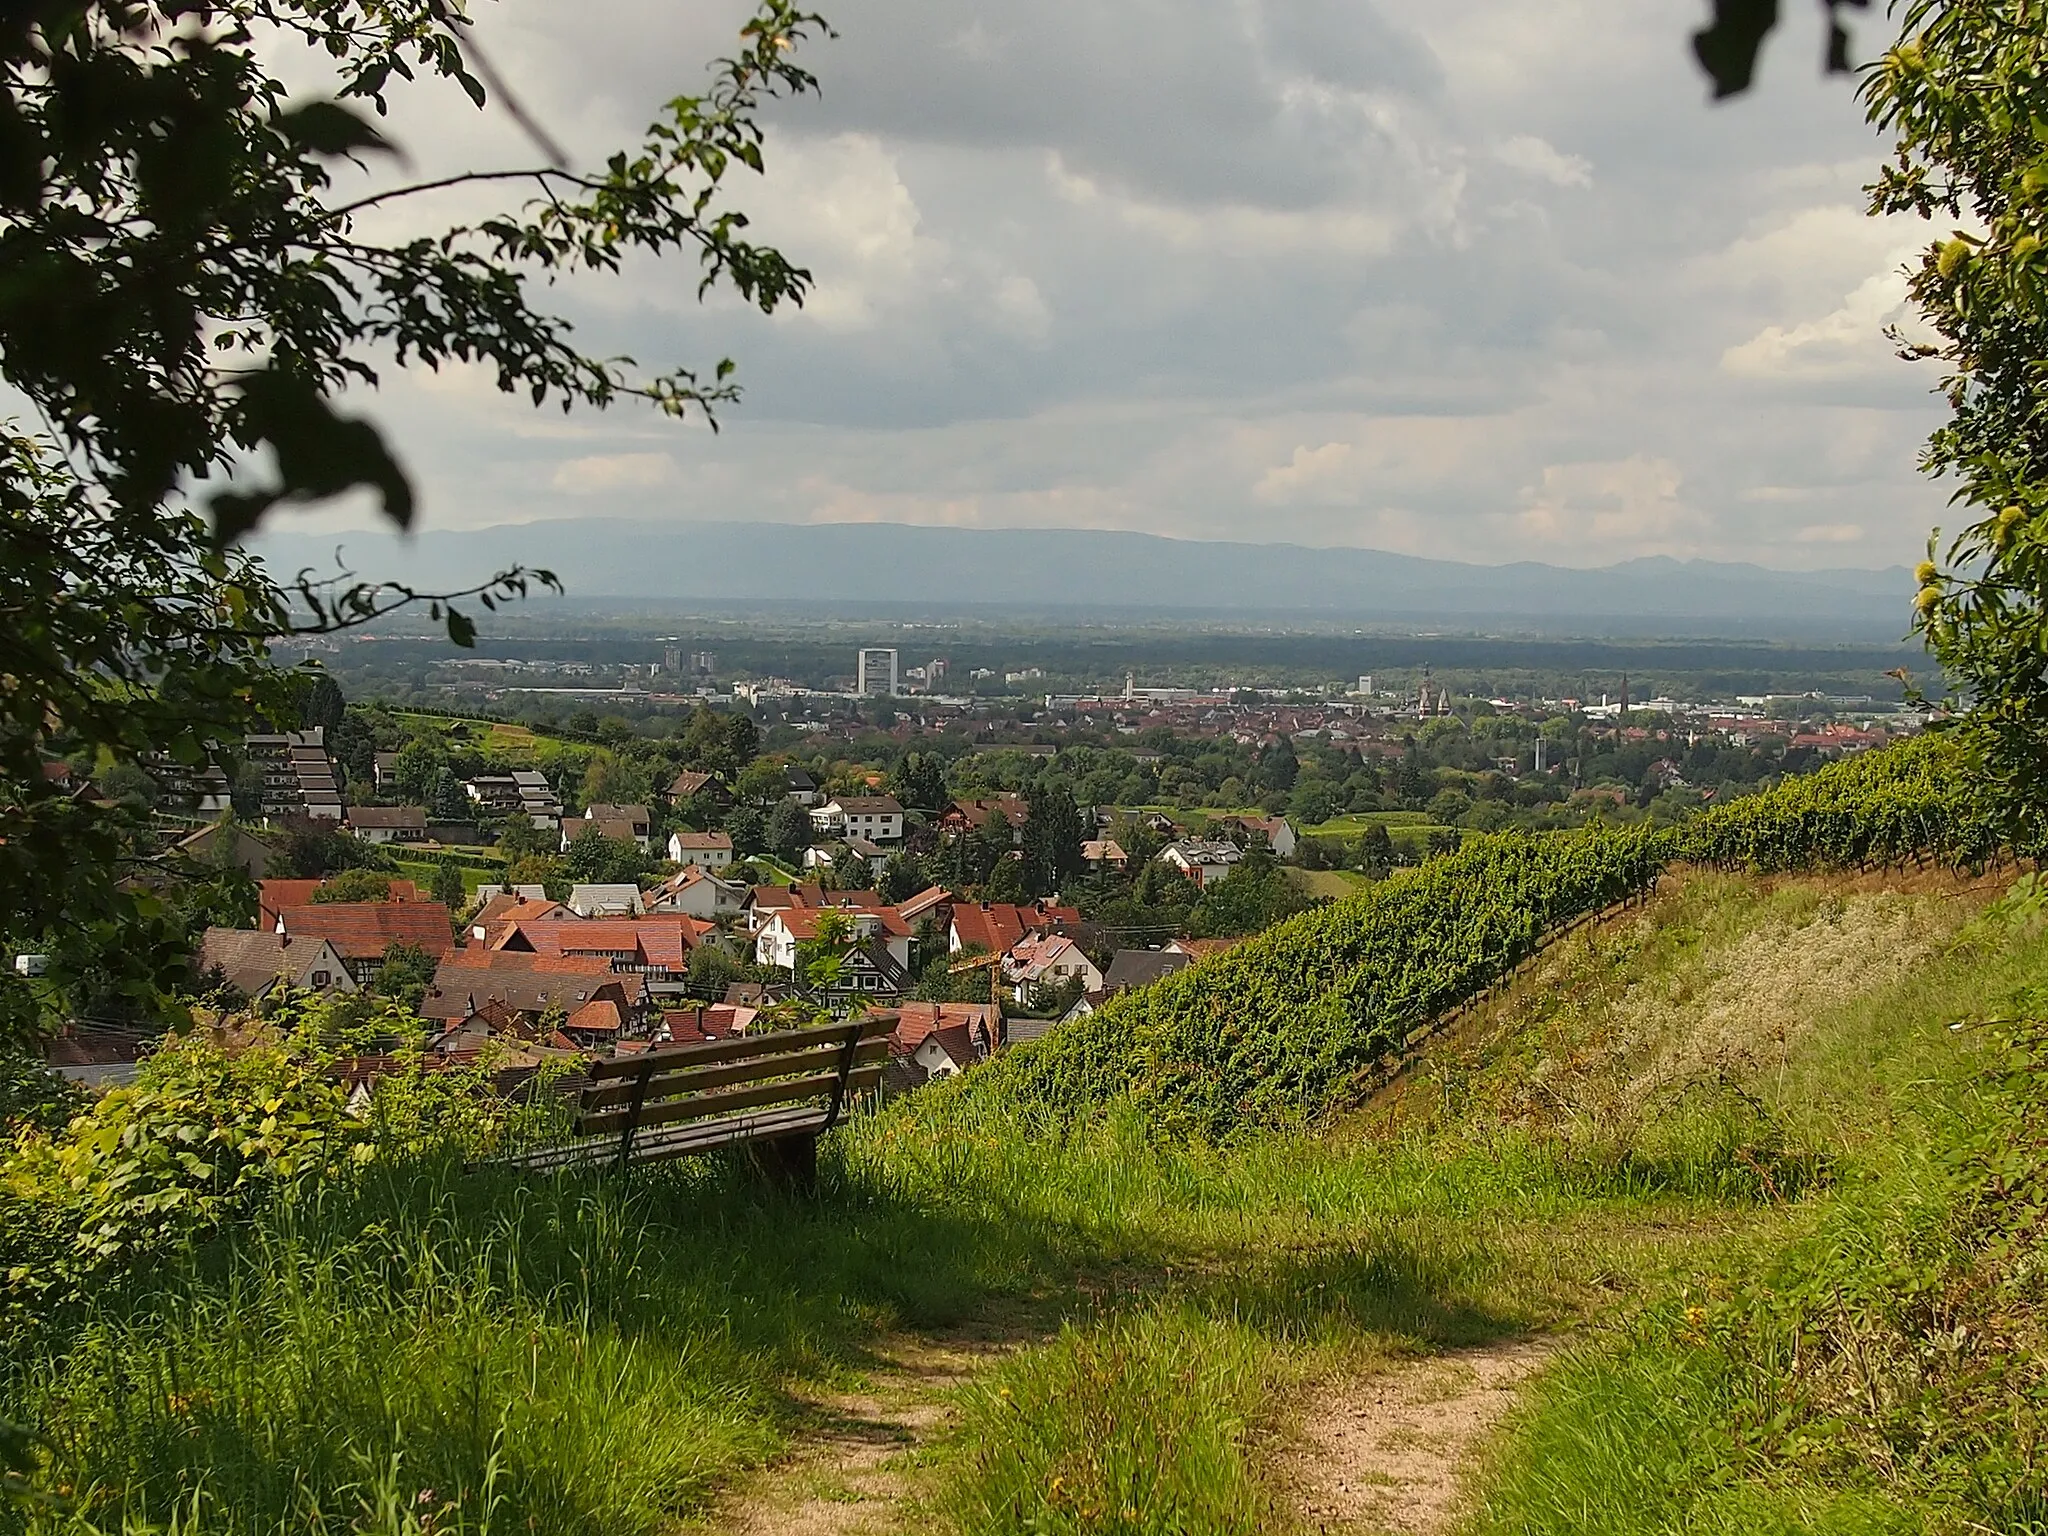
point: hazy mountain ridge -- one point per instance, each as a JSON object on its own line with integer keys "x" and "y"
{"x": 925, "y": 566}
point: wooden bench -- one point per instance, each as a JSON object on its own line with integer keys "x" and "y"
{"x": 776, "y": 1092}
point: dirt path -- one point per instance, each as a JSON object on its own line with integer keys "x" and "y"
{"x": 1389, "y": 1454}
{"x": 850, "y": 1474}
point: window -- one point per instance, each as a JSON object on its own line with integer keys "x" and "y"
{"x": 322, "y": 978}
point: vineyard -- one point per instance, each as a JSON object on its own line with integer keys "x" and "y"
{"x": 1284, "y": 1030}
{"x": 1274, "y": 1032}
{"x": 1910, "y": 804}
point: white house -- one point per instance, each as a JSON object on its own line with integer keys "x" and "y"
{"x": 627, "y": 823}
{"x": 256, "y": 963}
{"x": 1203, "y": 862}
{"x": 936, "y": 1055}
{"x": 606, "y": 901}
{"x": 696, "y": 892}
{"x": 388, "y": 823}
{"x": 878, "y": 818}
{"x": 852, "y": 848}
{"x": 1276, "y": 830}
{"x": 787, "y": 927}
{"x": 1048, "y": 959}
{"x": 800, "y": 786}
{"x": 706, "y": 850}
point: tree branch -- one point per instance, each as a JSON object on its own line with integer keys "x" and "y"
{"x": 542, "y": 174}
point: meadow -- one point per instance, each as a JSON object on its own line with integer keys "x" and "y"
{"x": 1721, "y": 1154}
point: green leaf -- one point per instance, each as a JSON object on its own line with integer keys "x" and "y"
{"x": 319, "y": 454}
{"x": 1727, "y": 49}
{"x": 329, "y": 128}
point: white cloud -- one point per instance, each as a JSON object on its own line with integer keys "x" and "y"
{"x": 601, "y": 474}
{"x": 1620, "y": 506}
{"x": 1462, "y": 277}
{"x": 1535, "y": 157}
{"x": 1235, "y": 229}
{"x": 1312, "y": 474}
{"x": 1847, "y": 341}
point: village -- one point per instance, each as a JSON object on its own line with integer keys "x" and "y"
{"x": 622, "y": 886}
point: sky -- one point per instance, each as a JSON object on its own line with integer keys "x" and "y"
{"x": 1471, "y": 279}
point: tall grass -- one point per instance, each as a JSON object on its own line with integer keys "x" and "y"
{"x": 1139, "y": 1425}
{"x": 600, "y": 1354}
{"x": 1876, "y": 1370}
{"x": 437, "y": 1349}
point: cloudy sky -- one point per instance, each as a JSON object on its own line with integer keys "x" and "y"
{"x": 1468, "y": 278}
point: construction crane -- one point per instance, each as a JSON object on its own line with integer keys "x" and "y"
{"x": 993, "y": 964}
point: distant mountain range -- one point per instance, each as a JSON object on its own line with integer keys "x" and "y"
{"x": 923, "y": 569}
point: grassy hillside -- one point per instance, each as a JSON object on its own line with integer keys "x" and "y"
{"x": 1686, "y": 1146}
{"x": 1725, "y": 1145}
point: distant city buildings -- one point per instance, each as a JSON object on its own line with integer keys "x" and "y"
{"x": 876, "y": 674}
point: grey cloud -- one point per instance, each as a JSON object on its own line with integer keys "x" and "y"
{"x": 1227, "y": 269}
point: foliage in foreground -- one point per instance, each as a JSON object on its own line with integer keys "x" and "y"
{"x": 1960, "y": 95}
{"x": 188, "y": 293}
{"x": 211, "y": 1134}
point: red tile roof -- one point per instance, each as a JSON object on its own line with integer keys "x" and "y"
{"x": 663, "y": 940}
{"x": 273, "y": 896}
{"x": 526, "y": 960}
{"x": 598, "y": 1014}
{"x": 715, "y": 1021}
{"x": 363, "y": 930}
{"x": 929, "y": 900}
{"x": 996, "y": 926}
{"x": 525, "y": 983}
{"x": 915, "y": 1021}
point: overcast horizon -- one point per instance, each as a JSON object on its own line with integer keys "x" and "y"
{"x": 1451, "y": 280}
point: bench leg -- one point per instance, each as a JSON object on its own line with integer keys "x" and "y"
{"x": 789, "y": 1162}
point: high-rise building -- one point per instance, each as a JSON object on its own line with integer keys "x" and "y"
{"x": 1365, "y": 684}
{"x": 704, "y": 663}
{"x": 935, "y": 674}
{"x": 672, "y": 660}
{"x": 877, "y": 674}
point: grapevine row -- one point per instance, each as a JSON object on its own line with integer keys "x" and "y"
{"x": 1275, "y": 1031}
{"x": 1914, "y": 803}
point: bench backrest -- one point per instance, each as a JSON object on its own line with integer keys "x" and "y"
{"x": 721, "y": 1080}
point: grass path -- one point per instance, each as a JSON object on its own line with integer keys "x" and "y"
{"x": 1394, "y": 1454}
{"x": 853, "y": 1473}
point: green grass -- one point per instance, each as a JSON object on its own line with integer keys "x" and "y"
{"x": 1671, "y": 1099}
{"x": 1333, "y": 883}
{"x": 526, "y": 1334}
{"x": 421, "y": 873}
{"x": 517, "y": 744}
{"x": 1867, "y": 1373}
{"x": 1136, "y": 1425}
{"x": 1353, "y": 823}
